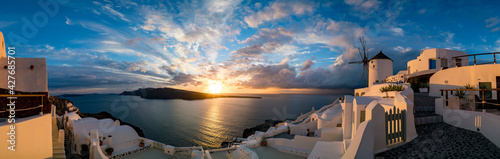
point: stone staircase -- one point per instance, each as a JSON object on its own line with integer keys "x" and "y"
{"x": 425, "y": 110}
{"x": 58, "y": 151}
{"x": 427, "y": 115}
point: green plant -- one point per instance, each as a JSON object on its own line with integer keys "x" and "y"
{"x": 468, "y": 86}
{"x": 424, "y": 85}
{"x": 460, "y": 94}
{"x": 142, "y": 140}
{"x": 392, "y": 87}
{"x": 263, "y": 139}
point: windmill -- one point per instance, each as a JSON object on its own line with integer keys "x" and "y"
{"x": 364, "y": 60}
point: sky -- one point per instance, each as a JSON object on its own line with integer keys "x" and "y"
{"x": 277, "y": 46}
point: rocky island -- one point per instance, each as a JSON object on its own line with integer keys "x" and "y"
{"x": 171, "y": 93}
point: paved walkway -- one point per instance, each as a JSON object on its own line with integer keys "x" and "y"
{"x": 444, "y": 141}
{"x": 441, "y": 140}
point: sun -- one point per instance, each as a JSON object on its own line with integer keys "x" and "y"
{"x": 215, "y": 87}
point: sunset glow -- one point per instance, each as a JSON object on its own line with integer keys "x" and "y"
{"x": 215, "y": 87}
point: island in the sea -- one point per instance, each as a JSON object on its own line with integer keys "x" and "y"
{"x": 171, "y": 93}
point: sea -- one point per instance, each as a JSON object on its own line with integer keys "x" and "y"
{"x": 207, "y": 122}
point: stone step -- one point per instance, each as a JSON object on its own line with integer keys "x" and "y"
{"x": 425, "y": 109}
{"x": 57, "y": 149}
{"x": 59, "y": 156}
{"x": 428, "y": 120}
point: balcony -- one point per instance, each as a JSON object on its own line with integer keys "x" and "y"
{"x": 472, "y": 99}
{"x": 26, "y": 104}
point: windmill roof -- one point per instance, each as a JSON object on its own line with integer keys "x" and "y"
{"x": 380, "y": 55}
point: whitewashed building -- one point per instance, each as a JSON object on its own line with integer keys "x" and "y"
{"x": 432, "y": 60}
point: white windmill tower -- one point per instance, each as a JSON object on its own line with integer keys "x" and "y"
{"x": 379, "y": 68}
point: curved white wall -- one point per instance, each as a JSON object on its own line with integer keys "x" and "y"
{"x": 378, "y": 70}
{"x": 459, "y": 76}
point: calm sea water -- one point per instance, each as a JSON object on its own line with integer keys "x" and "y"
{"x": 206, "y": 122}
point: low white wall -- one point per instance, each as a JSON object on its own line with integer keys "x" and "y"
{"x": 243, "y": 152}
{"x": 362, "y": 144}
{"x": 488, "y": 124}
{"x": 301, "y": 143}
{"x": 347, "y": 116}
{"x": 332, "y": 123}
{"x": 33, "y": 137}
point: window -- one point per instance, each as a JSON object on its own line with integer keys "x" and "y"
{"x": 362, "y": 116}
{"x": 444, "y": 62}
{"x": 432, "y": 64}
{"x": 458, "y": 62}
{"x": 487, "y": 94}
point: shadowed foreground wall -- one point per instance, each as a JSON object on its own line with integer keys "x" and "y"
{"x": 33, "y": 138}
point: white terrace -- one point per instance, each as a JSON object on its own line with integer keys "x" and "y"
{"x": 91, "y": 137}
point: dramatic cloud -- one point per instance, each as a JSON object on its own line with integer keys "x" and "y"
{"x": 108, "y": 8}
{"x": 265, "y": 41}
{"x": 402, "y": 49}
{"x": 306, "y": 65}
{"x": 111, "y": 46}
{"x": 278, "y": 10}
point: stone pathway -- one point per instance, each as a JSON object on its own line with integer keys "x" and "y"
{"x": 444, "y": 141}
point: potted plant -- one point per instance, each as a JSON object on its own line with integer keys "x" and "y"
{"x": 109, "y": 150}
{"x": 142, "y": 143}
{"x": 263, "y": 141}
{"x": 390, "y": 90}
{"x": 461, "y": 99}
{"x": 100, "y": 140}
{"x": 424, "y": 87}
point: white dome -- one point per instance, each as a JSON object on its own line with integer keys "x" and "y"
{"x": 123, "y": 134}
{"x": 330, "y": 113}
{"x": 83, "y": 128}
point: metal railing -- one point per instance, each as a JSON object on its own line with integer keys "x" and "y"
{"x": 10, "y": 97}
{"x": 458, "y": 62}
{"x": 470, "y": 100}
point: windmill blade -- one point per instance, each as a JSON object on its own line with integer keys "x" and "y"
{"x": 363, "y": 76}
{"x": 355, "y": 62}
{"x": 360, "y": 54}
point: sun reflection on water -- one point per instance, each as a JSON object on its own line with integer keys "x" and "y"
{"x": 212, "y": 124}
